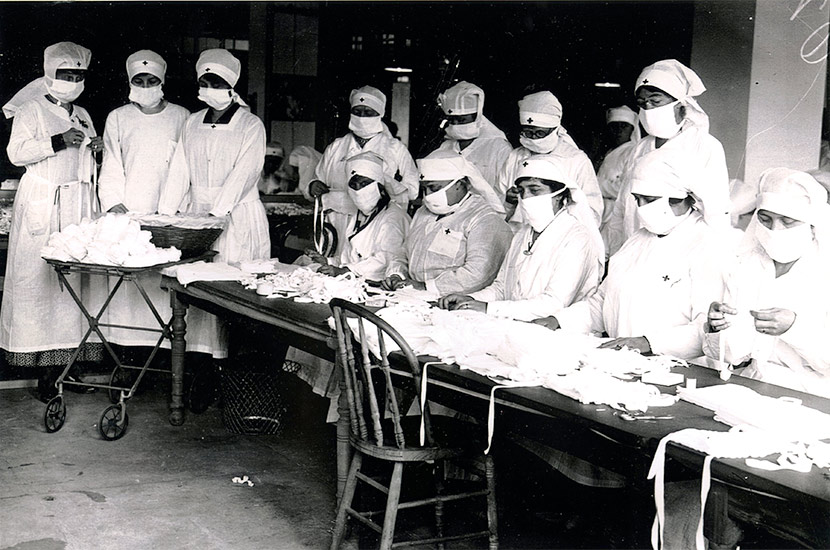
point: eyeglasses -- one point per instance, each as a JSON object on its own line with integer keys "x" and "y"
{"x": 536, "y": 133}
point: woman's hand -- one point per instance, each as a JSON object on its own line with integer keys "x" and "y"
{"x": 96, "y": 144}
{"x": 773, "y": 321}
{"x": 333, "y": 270}
{"x": 716, "y": 318}
{"x": 395, "y": 282}
{"x": 452, "y": 301}
{"x": 73, "y": 137}
{"x": 118, "y": 209}
{"x": 640, "y": 343}
{"x": 551, "y": 322}
{"x": 315, "y": 256}
{"x": 317, "y": 188}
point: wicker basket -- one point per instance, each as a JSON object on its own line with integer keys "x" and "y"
{"x": 191, "y": 242}
{"x": 253, "y": 401}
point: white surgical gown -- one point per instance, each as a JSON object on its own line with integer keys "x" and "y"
{"x": 139, "y": 148}
{"x": 609, "y": 178}
{"x": 400, "y": 174}
{"x": 215, "y": 170}
{"x": 563, "y": 268}
{"x": 657, "y": 287}
{"x": 460, "y": 252}
{"x": 370, "y": 250}
{"x": 696, "y": 151}
{"x": 37, "y": 315}
{"x": 487, "y": 152}
{"x": 800, "y": 357}
{"x": 576, "y": 164}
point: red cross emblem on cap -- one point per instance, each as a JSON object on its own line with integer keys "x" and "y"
{"x": 449, "y": 112}
{"x": 354, "y": 172}
{"x": 524, "y": 164}
{"x": 529, "y": 120}
{"x": 78, "y": 63}
{"x": 645, "y": 81}
{"x": 362, "y": 100}
{"x": 145, "y": 63}
{"x": 207, "y": 69}
{"x": 422, "y": 176}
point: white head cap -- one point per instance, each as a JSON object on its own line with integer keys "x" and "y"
{"x": 447, "y": 165}
{"x": 623, "y": 113}
{"x": 655, "y": 176}
{"x": 146, "y": 61}
{"x": 462, "y": 99}
{"x": 367, "y": 164}
{"x": 792, "y": 193}
{"x": 540, "y": 109}
{"x": 65, "y": 55}
{"x": 545, "y": 168}
{"x": 370, "y": 97}
{"x": 221, "y": 63}
{"x": 672, "y": 77}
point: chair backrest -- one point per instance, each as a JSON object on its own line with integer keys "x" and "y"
{"x": 364, "y": 363}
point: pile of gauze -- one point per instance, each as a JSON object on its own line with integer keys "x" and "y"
{"x": 114, "y": 239}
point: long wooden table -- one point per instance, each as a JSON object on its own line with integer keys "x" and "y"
{"x": 790, "y": 504}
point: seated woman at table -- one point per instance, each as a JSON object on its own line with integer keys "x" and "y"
{"x": 458, "y": 239}
{"x": 555, "y": 259}
{"x": 379, "y": 228}
{"x": 774, "y": 314}
{"x": 659, "y": 284}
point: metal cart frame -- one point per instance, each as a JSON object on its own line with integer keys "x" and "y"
{"x": 114, "y": 420}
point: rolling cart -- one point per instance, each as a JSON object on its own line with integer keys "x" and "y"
{"x": 114, "y": 420}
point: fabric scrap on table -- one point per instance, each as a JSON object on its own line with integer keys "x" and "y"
{"x": 203, "y": 271}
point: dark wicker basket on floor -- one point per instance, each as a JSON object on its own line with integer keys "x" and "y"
{"x": 254, "y": 403}
{"x": 191, "y": 242}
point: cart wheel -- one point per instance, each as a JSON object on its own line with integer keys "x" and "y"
{"x": 113, "y": 422}
{"x": 120, "y": 378}
{"x": 55, "y": 414}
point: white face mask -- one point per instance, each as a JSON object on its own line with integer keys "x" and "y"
{"x": 658, "y": 218}
{"x": 437, "y": 202}
{"x": 786, "y": 245}
{"x": 542, "y": 145}
{"x": 217, "y": 98}
{"x": 146, "y": 97}
{"x": 538, "y": 210}
{"x": 65, "y": 91}
{"x": 366, "y": 198}
{"x": 463, "y": 131}
{"x": 661, "y": 121}
{"x": 365, "y": 126}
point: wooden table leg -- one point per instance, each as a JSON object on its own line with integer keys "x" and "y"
{"x": 721, "y": 531}
{"x": 177, "y": 349}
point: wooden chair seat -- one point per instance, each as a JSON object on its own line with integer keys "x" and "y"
{"x": 378, "y": 431}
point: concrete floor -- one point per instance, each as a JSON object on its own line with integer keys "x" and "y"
{"x": 161, "y": 486}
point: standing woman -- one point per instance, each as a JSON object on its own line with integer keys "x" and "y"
{"x": 215, "y": 171}
{"x": 140, "y": 139}
{"x": 40, "y": 325}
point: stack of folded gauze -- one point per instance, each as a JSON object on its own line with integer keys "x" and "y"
{"x": 113, "y": 239}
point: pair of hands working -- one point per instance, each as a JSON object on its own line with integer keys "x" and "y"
{"x": 773, "y": 321}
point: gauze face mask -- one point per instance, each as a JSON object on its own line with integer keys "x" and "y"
{"x": 658, "y": 218}
{"x": 463, "y": 131}
{"x": 542, "y": 145}
{"x": 65, "y": 91}
{"x": 146, "y": 97}
{"x": 437, "y": 202}
{"x": 538, "y": 210}
{"x": 366, "y": 198}
{"x": 786, "y": 245}
{"x": 660, "y": 121}
{"x": 365, "y": 126}
{"x": 216, "y": 98}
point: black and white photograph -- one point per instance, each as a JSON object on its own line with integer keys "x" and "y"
{"x": 415, "y": 274}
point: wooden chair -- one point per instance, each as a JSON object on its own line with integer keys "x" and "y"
{"x": 371, "y": 397}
